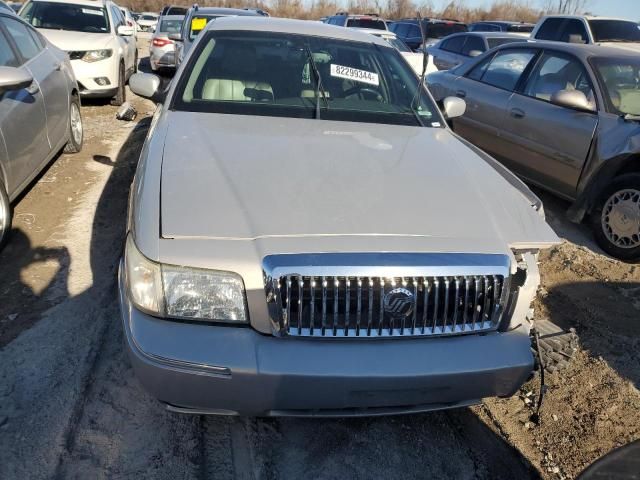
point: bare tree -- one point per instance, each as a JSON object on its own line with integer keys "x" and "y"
{"x": 566, "y": 7}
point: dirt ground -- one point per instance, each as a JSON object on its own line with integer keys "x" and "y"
{"x": 70, "y": 406}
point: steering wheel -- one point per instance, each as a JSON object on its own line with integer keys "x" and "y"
{"x": 363, "y": 92}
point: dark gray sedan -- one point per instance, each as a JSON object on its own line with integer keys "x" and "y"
{"x": 39, "y": 109}
{"x": 564, "y": 117}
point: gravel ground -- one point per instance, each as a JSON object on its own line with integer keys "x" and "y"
{"x": 70, "y": 406}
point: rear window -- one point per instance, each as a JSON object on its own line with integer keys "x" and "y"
{"x": 550, "y": 29}
{"x": 170, "y": 26}
{"x": 615, "y": 31}
{"x": 440, "y": 30}
{"x": 374, "y": 23}
{"x": 66, "y": 16}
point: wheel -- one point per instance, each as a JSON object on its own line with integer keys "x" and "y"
{"x": 76, "y": 132}
{"x": 121, "y": 96}
{"x": 6, "y": 215}
{"x": 616, "y": 219}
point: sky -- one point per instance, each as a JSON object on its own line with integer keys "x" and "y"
{"x": 612, "y": 8}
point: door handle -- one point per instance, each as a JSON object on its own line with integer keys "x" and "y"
{"x": 517, "y": 113}
{"x": 461, "y": 94}
{"x": 33, "y": 88}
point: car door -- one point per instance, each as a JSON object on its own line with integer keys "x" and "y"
{"x": 22, "y": 121}
{"x": 549, "y": 142}
{"x": 46, "y": 69}
{"x": 487, "y": 88}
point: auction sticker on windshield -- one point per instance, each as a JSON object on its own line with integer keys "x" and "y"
{"x": 354, "y": 74}
{"x": 198, "y": 24}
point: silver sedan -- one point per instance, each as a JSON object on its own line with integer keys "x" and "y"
{"x": 162, "y": 50}
{"x": 39, "y": 109}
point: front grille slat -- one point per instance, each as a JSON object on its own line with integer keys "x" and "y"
{"x": 372, "y": 306}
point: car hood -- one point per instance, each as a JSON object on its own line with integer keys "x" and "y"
{"x": 250, "y": 177}
{"x": 70, "y": 41}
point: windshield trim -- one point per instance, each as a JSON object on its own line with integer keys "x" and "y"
{"x": 175, "y": 102}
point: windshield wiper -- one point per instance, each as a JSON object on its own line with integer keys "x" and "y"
{"x": 319, "y": 89}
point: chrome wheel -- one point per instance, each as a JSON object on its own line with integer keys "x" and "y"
{"x": 76, "y": 124}
{"x": 4, "y": 215}
{"x": 621, "y": 218}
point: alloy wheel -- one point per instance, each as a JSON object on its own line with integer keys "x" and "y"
{"x": 621, "y": 218}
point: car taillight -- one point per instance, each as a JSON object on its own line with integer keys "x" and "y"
{"x": 161, "y": 42}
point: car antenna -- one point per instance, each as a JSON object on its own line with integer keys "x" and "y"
{"x": 425, "y": 62}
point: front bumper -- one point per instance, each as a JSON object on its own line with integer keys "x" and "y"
{"x": 87, "y": 75}
{"x": 233, "y": 370}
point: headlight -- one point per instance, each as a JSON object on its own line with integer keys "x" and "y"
{"x": 95, "y": 55}
{"x": 181, "y": 292}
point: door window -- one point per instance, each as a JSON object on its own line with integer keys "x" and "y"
{"x": 556, "y": 72}
{"x": 25, "y": 42}
{"x": 550, "y": 29}
{"x": 574, "y": 32}
{"x": 413, "y": 31}
{"x": 7, "y": 56}
{"x": 453, "y": 45}
{"x": 504, "y": 69}
{"x": 118, "y": 19}
{"x": 473, "y": 43}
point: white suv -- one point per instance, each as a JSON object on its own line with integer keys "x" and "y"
{"x": 95, "y": 34}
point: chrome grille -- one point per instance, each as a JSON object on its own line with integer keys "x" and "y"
{"x": 334, "y": 305}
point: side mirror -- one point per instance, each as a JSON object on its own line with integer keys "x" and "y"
{"x": 475, "y": 53}
{"x": 125, "y": 31}
{"x": 176, "y": 37}
{"x": 572, "y": 99}
{"x": 146, "y": 85}
{"x": 454, "y": 107}
{"x": 14, "y": 79}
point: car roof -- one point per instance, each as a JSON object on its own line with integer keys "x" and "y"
{"x": 172, "y": 17}
{"x": 224, "y": 11}
{"x": 588, "y": 17}
{"x": 580, "y": 50}
{"x": 431, "y": 20}
{"x": 502, "y": 22}
{"x": 490, "y": 34}
{"x": 86, "y": 3}
{"x": 301, "y": 27}
{"x": 377, "y": 32}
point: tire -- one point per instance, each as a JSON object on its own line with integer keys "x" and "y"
{"x": 76, "y": 131}
{"x": 121, "y": 96}
{"x": 6, "y": 216}
{"x": 616, "y": 219}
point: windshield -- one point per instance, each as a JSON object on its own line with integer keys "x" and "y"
{"x": 621, "y": 80}
{"x": 170, "y": 26}
{"x": 614, "y": 31}
{"x": 271, "y": 74}
{"x": 66, "y": 16}
{"x": 398, "y": 44}
{"x": 148, "y": 17}
{"x": 497, "y": 41}
{"x": 374, "y": 23}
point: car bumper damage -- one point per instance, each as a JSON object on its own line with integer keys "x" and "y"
{"x": 238, "y": 371}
